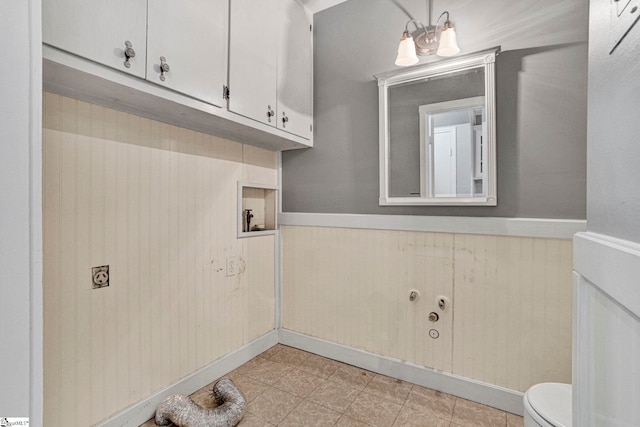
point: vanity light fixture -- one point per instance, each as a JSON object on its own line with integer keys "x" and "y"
{"x": 427, "y": 41}
{"x": 407, "y": 49}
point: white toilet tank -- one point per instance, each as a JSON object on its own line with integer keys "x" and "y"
{"x": 548, "y": 405}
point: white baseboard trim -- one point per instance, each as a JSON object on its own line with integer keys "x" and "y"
{"x": 611, "y": 264}
{"x": 487, "y": 394}
{"x": 142, "y": 411}
{"x": 522, "y": 227}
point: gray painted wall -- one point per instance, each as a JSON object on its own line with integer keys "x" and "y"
{"x": 541, "y": 105}
{"x": 614, "y": 130}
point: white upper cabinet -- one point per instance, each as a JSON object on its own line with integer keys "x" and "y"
{"x": 189, "y": 40}
{"x": 173, "y": 61}
{"x": 99, "y": 31}
{"x": 253, "y": 44}
{"x": 294, "y": 69}
{"x": 270, "y": 64}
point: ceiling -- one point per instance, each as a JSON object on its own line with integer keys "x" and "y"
{"x": 318, "y": 5}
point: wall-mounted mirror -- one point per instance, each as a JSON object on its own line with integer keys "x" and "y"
{"x": 437, "y": 133}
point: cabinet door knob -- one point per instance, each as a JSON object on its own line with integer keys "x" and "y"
{"x": 164, "y": 68}
{"x": 285, "y": 119}
{"x": 128, "y": 53}
{"x": 270, "y": 113}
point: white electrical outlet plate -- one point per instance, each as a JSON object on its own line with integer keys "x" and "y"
{"x": 232, "y": 265}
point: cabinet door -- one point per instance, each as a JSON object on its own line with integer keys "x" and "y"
{"x": 294, "y": 69}
{"x": 192, "y": 37}
{"x": 252, "y": 59}
{"x": 97, "y": 30}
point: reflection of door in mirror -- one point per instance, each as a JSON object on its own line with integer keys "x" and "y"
{"x": 456, "y": 92}
{"x": 449, "y": 151}
{"x": 444, "y": 161}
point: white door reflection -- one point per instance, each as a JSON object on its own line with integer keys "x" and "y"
{"x": 444, "y": 161}
{"x": 450, "y": 149}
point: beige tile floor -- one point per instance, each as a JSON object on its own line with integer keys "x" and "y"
{"x": 285, "y": 386}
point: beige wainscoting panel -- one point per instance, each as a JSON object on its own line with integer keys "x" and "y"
{"x": 512, "y": 310}
{"x": 510, "y": 322}
{"x": 258, "y": 284}
{"x": 156, "y": 203}
{"x": 352, "y": 287}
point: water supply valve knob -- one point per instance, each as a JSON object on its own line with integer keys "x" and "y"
{"x": 443, "y": 302}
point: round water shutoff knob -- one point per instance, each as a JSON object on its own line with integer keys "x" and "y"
{"x": 443, "y": 302}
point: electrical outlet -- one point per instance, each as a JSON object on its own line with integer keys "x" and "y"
{"x": 232, "y": 266}
{"x": 100, "y": 276}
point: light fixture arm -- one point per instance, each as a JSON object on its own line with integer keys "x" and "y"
{"x": 415, "y": 22}
{"x": 427, "y": 40}
{"x": 445, "y": 24}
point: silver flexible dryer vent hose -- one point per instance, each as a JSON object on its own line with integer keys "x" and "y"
{"x": 184, "y": 412}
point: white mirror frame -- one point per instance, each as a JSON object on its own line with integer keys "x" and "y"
{"x": 484, "y": 59}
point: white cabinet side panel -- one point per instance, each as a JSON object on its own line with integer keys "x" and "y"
{"x": 607, "y": 386}
{"x": 294, "y": 69}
